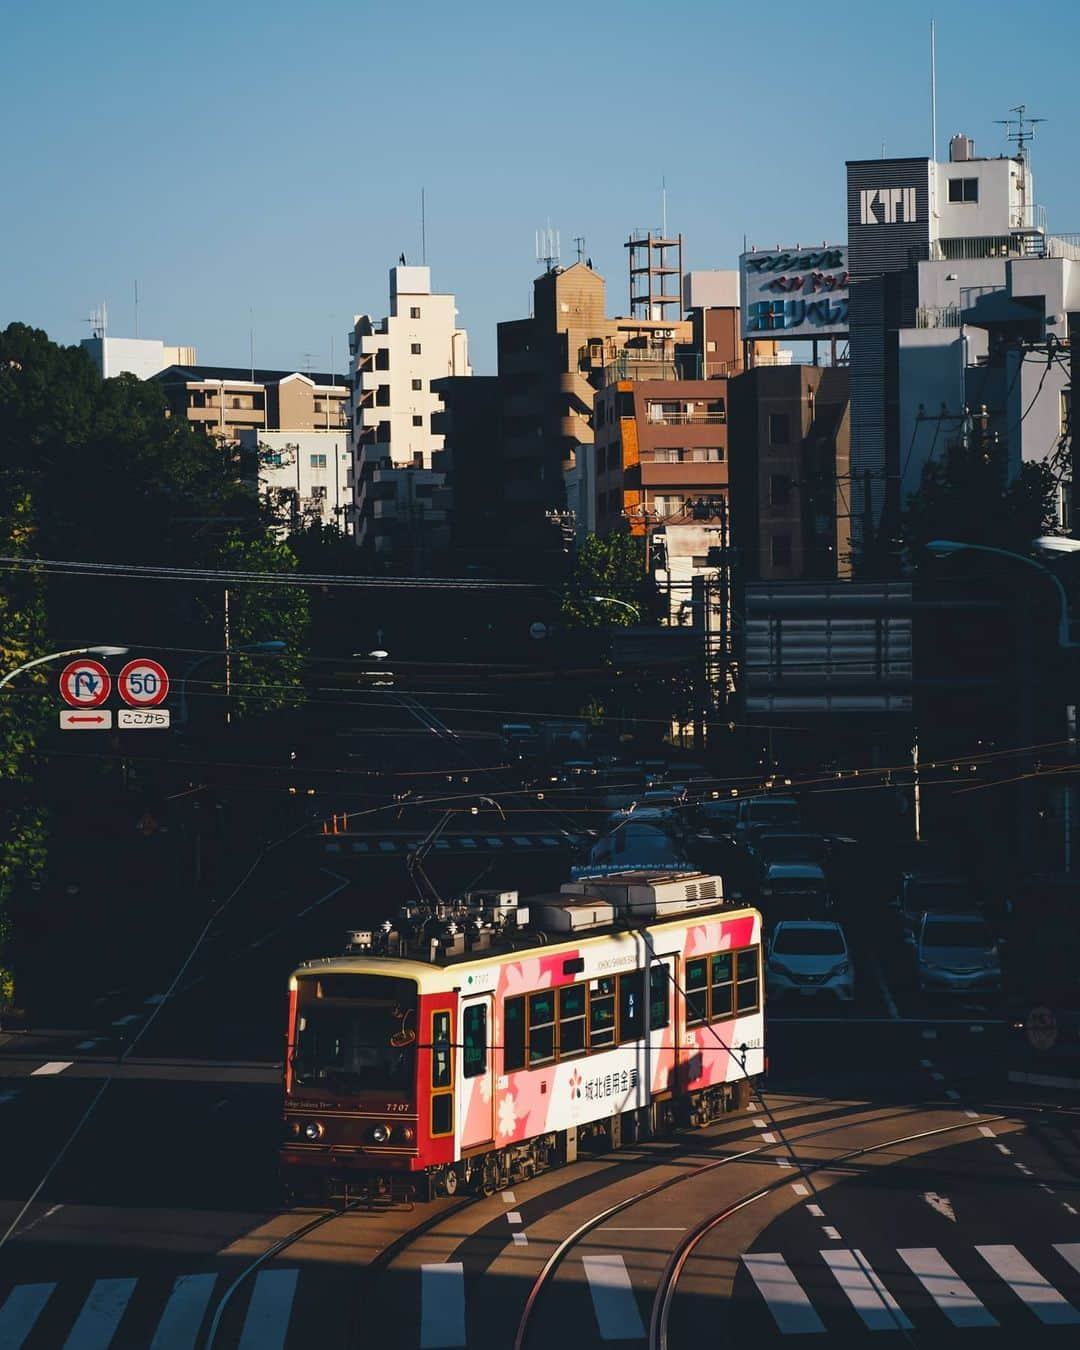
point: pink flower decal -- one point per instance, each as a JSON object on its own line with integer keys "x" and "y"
{"x": 507, "y": 1117}
{"x": 575, "y": 1085}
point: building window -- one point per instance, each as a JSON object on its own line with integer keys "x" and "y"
{"x": 779, "y": 489}
{"x": 779, "y": 428}
{"x": 667, "y": 506}
{"x": 382, "y": 396}
{"x": 418, "y": 419}
{"x": 418, "y": 385}
{"x": 318, "y": 492}
{"x": 318, "y": 461}
{"x": 382, "y": 358}
{"x": 781, "y": 550}
{"x": 667, "y": 455}
{"x": 415, "y": 349}
{"x": 414, "y": 312}
{"x": 963, "y": 190}
{"x": 707, "y": 454}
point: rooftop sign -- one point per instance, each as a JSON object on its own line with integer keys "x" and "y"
{"x": 794, "y": 293}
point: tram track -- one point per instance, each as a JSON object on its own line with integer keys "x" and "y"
{"x": 665, "y": 1292}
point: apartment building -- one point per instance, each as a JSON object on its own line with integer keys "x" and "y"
{"x": 304, "y": 476}
{"x": 227, "y": 401}
{"x": 141, "y": 357}
{"x": 393, "y": 364}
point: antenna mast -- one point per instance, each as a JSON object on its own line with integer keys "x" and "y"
{"x": 1022, "y": 137}
{"x": 933, "y": 93}
{"x": 547, "y": 247}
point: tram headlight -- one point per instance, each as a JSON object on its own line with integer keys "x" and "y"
{"x": 312, "y": 1131}
{"x": 407, "y": 1133}
{"x": 380, "y": 1134}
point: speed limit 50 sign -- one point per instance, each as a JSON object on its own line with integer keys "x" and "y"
{"x": 143, "y": 683}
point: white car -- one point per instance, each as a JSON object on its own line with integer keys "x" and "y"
{"x": 809, "y": 957}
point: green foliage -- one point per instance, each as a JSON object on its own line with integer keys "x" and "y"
{"x": 265, "y": 682}
{"x": 613, "y": 565}
{"x": 966, "y": 496}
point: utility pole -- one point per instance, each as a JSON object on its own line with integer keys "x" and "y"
{"x": 228, "y": 663}
{"x": 918, "y": 799}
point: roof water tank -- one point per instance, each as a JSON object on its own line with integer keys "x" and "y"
{"x": 961, "y": 148}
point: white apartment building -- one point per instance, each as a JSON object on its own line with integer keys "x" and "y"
{"x": 305, "y": 476}
{"x": 141, "y": 357}
{"x": 392, "y": 365}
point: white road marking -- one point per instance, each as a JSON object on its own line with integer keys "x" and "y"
{"x": 955, "y": 1298}
{"x": 1021, "y": 1168}
{"x": 179, "y": 1326}
{"x": 926, "y": 1063}
{"x": 785, "y": 1297}
{"x": 987, "y": 1131}
{"x": 267, "y": 1320}
{"x": 126, "y": 1021}
{"x": 816, "y": 1211}
{"x": 1028, "y": 1285}
{"x": 760, "y": 1124}
{"x": 513, "y": 1217}
{"x": 616, "y": 1308}
{"x": 508, "y": 1198}
{"x": 767, "y": 1138}
{"x": 783, "y": 1162}
{"x": 869, "y": 1297}
{"x": 1002, "y": 1149}
{"x": 100, "y": 1316}
{"x": 152, "y": 1002}
{"x": 87, "y": 1045}
{"x": 952, "y": 1094}
{"x": 667, "y": 1228}
{"x": 1069, "y": 1208}
{"x": 941, "y": 1204}
{"x": 520, "y": 840}
{"x": 53, "y": 1066}
{"x": 799, "y": 1188}
{"x": 53, "y": 1209}
{"x": 977, "y": 1027}
{"x": 938, "y": 1077}
{"x": 8, "y": 1096}
{"x": 520, "y": 1239}
{"x": 833, "y": 1234}
{"x": 1044, "y": 1187}
{"x": 20, "y": 1310}
{"x": 442, "y": 1305}
{"x": 929, "y": 1034}
{"x": 1069, "y": 1251}
{"x": 973, "y": 1115}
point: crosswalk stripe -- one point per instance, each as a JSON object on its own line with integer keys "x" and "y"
{"x": 869, "y": 1297}
{"x": 1070, "y": 1251}
{"x": 614, "y": 1303}
{"x": 551, "y": 843}
{"x": 100, "y": 1316}
{"x": 520, "y": 839}
{"x": 468, "y": 843}
{"x": 442, "y": 1305}
{"x": 267, "y": 1320}
{"x": 955, "y": 1299}
{"x": 54, "y": 1066}
{"x": 791, "y": 1309}
{"x": 21, "y": 1309}
{"x": 184, "y": 1312}
{"x": 1027, "y": 1284}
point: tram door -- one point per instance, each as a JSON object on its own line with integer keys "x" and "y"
{"x": 660, "y": 1057}
{"x": 478, "y": 1070}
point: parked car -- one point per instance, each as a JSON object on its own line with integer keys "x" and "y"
{"x": 808, "y": 959}
{"x": 773, "y": 846}
{"x": 715, "y": 818}
{"x": 957, "y": 953}
{"x": 793, "y": 890}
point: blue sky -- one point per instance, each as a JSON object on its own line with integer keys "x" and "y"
{"x": 238, "y": 158}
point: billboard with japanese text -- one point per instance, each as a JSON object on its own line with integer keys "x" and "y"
{"x": 794, "y": 292}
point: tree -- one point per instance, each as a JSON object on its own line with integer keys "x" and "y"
{"x": 613, "y": 566}
{"x": 264, "y": 612}
{"x": 967, "y": 496}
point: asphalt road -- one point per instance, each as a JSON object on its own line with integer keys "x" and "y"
{"x": 151, "y": 1171}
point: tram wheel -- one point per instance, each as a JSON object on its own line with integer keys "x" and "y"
{"x": 450, "y": 1180}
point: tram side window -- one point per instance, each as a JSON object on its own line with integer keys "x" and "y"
{"x": 602, "y": 1013}
{"x": 722, "y": 1002}
{"x": 542, "y": 1027}
{"x": 474, "y": 1023}
{"x": 571, "y": 1021}
{"x": 746, "y": 974}
{"x": 659, "y": 997}
{"x": 631, "y": 1006}
{"x": 697, "y": 991}
{"x": 440, "y": 1050}
{"x": 513, "y": 1034}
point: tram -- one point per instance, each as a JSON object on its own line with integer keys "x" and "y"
{"x": 474, "y": 1044}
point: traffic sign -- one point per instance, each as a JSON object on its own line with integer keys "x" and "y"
{"x": 89, "y": 719}
{"x": 85, "y": 683}
{"x": 143, "y": 683}
{"x": 154, "y": 719}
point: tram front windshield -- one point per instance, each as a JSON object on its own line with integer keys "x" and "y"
{"x": 355, "y": 1033}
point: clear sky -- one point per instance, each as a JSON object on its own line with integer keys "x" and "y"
{"x": 242, "y": 159}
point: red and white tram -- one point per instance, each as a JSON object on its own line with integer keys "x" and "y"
{"x": 474, "y": 1044}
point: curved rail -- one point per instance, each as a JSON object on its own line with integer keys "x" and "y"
{"x": 665, "y": 1293}
{"x": 597, "y": 1220}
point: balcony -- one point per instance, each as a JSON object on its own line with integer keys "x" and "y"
{"x": 687, "y": 419}
{"x": 686, "y": 474}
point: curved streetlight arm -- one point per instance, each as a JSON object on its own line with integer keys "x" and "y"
{"x": 944, "y": 548}
{"x": 56, "y": 656}
{"x": 613, "y": 600}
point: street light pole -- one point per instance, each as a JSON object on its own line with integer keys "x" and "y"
{"x": 57, "y": 656}
{"x": 273, "y": 645}
{"x": 613, "y": 600}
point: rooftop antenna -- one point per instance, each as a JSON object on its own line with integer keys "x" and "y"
{"x": 547, "y": 247}
{"x": 136, "y": 309}
{"x": 663, "y": 208}
{"x": 98, "y": 321}
{"x": 1022, "y": 137}
{"x": 933, "y": 93}
{"x": 307, "y": 363}
{"x": 423, "y": 228}
{"x": 579, "y": 244}
{"x": 251, "y": 342}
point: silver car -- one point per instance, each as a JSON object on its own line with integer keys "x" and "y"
{"x": 957, "y": 954}
{"x": 808, "y": 958}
